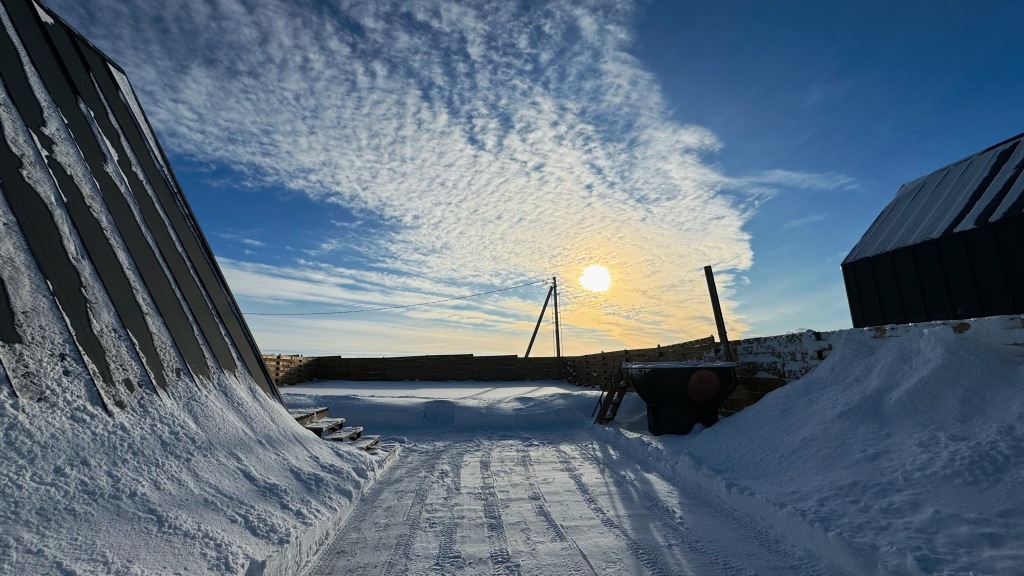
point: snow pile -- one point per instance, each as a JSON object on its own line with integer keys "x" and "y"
{"x": 108, "y": 291}
{"x": 898, "y": 455}
{"x": 214, "y": 480}
{"x": 397, "y": 408}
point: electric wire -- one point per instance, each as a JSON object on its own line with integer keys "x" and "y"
{"x": 395, "y": 307}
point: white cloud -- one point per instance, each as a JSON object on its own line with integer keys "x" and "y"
{"x": 496, "y": 142}
{"x": 769, "y": 180}
{"x": 493, "y": 325}
{"x": 241, "y": 239}
{"x": 803, "y": 221}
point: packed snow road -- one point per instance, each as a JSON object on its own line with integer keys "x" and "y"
{"x": 518, "y": 505}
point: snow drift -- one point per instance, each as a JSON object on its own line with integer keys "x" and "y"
{"x": 209, "y": 482}
{"x": 452, "y": 408}
{"x": 903, "y": 453}
{"x": 141, "y": 431}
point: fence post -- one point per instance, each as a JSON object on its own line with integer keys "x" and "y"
{"x": 717, "y": 308}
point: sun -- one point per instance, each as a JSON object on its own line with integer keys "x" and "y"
{"x": 596, "y": 278}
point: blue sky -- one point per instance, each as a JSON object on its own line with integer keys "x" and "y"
{"x": 348, "y": 155}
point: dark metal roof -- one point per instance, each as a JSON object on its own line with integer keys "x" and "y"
{"x": 122, "y": 256}
{"x": 978, "y": 190}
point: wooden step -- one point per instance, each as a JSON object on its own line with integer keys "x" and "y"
{"x": 325, "y": 426}
{"x": 346, "y": 433}
{"x": 308, "y": 415}
{"x": 366, "y": 442}
{"x": 384, "y": 452}
{"x": 610, "y": 402}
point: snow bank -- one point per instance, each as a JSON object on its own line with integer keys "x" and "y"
{"x": 108, "y": 293}
{"x": 397, "y": 408}
{"x": 218, "y": 480}
{"x": 898, "y": 455}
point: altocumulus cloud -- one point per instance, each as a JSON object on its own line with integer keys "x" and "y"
{"x": 497, "y": 141}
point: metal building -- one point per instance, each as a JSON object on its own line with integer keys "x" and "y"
{"x": 948, "y": 246}
{"x": 107, "y": 285}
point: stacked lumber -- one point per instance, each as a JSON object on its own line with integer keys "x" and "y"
{"x": 288, "y": 369}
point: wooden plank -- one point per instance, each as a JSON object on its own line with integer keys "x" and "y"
{"x": 366, "y": 442}
{"x": 308, "y": 415}
{"x": 348, "y": 433}
{"x": 761, "y": 385}
{"x": 734, "y": 404}
{"x": 325, "y": 426}
{"x": 384, "y": 452}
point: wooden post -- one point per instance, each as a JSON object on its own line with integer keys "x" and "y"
{"x": 558, "y": 327}
{"x": 542, "y": 310}
{"x": 717, "y": 308}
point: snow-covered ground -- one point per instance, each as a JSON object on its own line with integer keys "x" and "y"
{"x": 898, "y": 455}
{"x": 210, "y": 481}
{"x": 901, "y": 454}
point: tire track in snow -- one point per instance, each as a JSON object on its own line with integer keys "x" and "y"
{"x": 666, "y": 517}
{"x": 398, "y": 560}
{"x": 643, "y": 555}
{"x": 415, "y": 519}
{"x": 553, "y": 528}
{"x": 344, "y": 554}
{"x": 449, "y": 559}
{"x": 786, "y": 558}
{"x": 501, "y": 558}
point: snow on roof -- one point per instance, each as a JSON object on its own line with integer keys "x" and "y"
{"x": 973, "y": 192}
{"x": 99, "y": 231}
{"x": 110, "y": 297}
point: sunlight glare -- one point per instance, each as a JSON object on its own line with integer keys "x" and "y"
{"x": 596, "y": 278}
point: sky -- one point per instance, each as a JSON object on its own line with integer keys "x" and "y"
{"x": 344, "y": 156}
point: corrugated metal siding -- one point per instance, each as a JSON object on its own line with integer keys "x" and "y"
{"x": 982, "y": 189}
{"x": 971, "y": 274}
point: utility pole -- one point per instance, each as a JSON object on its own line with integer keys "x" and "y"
{"x": 552, "y": 291}
{"x": 558, "y": 327}
{"x": 541, "y": 318}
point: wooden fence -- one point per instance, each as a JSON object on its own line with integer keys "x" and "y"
{"x": 296, "y": 369}
{"x": 765, "y": 364}
{"x": 597, "y": 369}
{"x": 770, "y": 362}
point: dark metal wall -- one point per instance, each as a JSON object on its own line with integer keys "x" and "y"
{"x": 970, "y": 274}
{"x": 108, "y": 208}
{"x": 947, "y": 246}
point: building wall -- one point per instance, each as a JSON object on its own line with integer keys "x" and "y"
{"x": 970, "y": 274}
{"x": 104, "y": 269}
{"x": 945, "y": 246}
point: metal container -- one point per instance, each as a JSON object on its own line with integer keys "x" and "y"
{"x": 680, "y": 395}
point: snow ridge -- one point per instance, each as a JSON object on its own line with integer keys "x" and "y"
{"x": 900, "y": 454}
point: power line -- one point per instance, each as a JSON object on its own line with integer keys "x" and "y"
{"x": 393, "y": 307}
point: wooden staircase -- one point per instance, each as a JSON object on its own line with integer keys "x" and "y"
{"x": 317, "y": 421}
{"x": 612, "y": 394}
{"x": 349, "y": 433}
{"x": 307, "y": 415}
